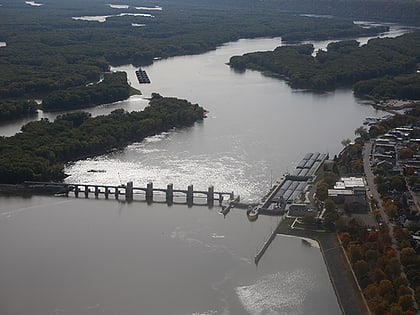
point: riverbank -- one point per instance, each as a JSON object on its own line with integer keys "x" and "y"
{"x": 392, "y": 105}
{"x": 348, "y": 294}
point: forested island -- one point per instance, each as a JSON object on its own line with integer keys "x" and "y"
{"x": 381, "y": 63}
{"x": 40, "y": 151}
{"x": 51, "y": 56}
{"x": 17, "y": 108}
{"x": 112, "y": 88}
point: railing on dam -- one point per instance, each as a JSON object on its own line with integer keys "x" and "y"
{"x": 128, "y": 192}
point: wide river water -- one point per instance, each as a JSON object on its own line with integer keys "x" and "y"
{"x": 87, "y": 256}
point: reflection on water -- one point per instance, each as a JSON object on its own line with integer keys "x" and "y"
{"x": 133, "y": 103}
{"x": 103, "y": 18}
{"x": 87, "y": 256}
{"x": 126, "y": 6}
{"x": 279, "y": 293}
{"x": 257, "y": 127}
{"x": 33, "y": 3}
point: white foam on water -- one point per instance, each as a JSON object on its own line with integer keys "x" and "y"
{"x": 118, "y": 6}
{"x": 151, "y": 162}
{"x": 33, "y": 3}
{"x": 280, "y": 293}
{"x": 210, "y": 312}
{"x": 155, "y": 8}
{"x": 103, "y": 18}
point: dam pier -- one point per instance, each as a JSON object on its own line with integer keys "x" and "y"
{"x": 131, "y": 193}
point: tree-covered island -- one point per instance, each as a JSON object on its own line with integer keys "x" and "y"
{"x": 53, "y": 57}
{"x": 375, "y": 67}
{"x": 40, "y": 151}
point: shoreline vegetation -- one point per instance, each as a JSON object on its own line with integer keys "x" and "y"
{"x": 39, "y": 152}
{"x": 384, "y": 68}
{"x": 61, "y": 61}
{"x": 57, "y": 60}
{"x": 371, "y": 273}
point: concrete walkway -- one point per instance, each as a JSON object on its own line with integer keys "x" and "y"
{"x": 348, "y": 294}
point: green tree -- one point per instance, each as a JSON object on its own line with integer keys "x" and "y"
{"x": 322, "y": 191}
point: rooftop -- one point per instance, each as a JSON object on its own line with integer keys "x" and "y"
{"x": 350, "y": 182}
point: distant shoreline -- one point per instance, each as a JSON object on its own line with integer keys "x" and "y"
{"x": 396, "y": 104}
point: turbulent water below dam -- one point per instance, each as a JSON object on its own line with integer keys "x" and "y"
{"x": 88, "y": 256}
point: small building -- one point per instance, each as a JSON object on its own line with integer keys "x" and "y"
{"x": 350, "y": 191}
{"x": 386, "y": 165}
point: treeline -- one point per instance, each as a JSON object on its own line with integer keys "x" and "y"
{"x": 343, "y": 64}
{"x": 391, "y": 87}
{"x": 112, "y": 88}
{"x": 47, "y": 51}
{"x": 15, "y": 109}
{"x": 41, "y": 149}
{"x": 404, "y": 11}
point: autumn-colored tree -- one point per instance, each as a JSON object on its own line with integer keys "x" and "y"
{"x": 371, "y": 255}
{"x": 405, "y": 301}
{"x": 406, "y": 153}
{"x": 371, "y": 291}
{"x": 378, "y": 275}
{"x": 408, "y": 256}
{"x": 396, "y": 309}
{"x": 390, "y": 208}
{"x": 345, "y": 239}
{"x": 387, "y": 291}
{"x": 360, "y": 268}
{"x": 355, "y": 253}
{"x": 403, "y": 290}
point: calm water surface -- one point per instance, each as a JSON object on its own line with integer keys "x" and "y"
{"x": 67, "y": 256}
{"x": 85, "y": 256}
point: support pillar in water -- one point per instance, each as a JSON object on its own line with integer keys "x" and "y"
{"x": 170, "y": 194}
{"x": 210, "y": 196}
{"x": 86, "y": 191}
{"x": 129, "y": 191}
{"x": 149, "y": 192}
{"x": 190, "y": 195}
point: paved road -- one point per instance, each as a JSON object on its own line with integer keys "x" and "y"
{"x": 367, "y": 149}
{"x": 370, "y": 178}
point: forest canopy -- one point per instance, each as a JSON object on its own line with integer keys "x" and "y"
{"x": 52, "y": 52}
{"x": 40, "y": 151}
{"x": 344, "y": 64}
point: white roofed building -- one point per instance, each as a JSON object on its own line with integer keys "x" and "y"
{"x": 352, "y": 192}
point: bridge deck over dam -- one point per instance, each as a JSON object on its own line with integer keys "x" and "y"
{"x": 129, "y": 192}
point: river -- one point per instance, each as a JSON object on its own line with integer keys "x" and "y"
{"x": 86, "y": 256}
